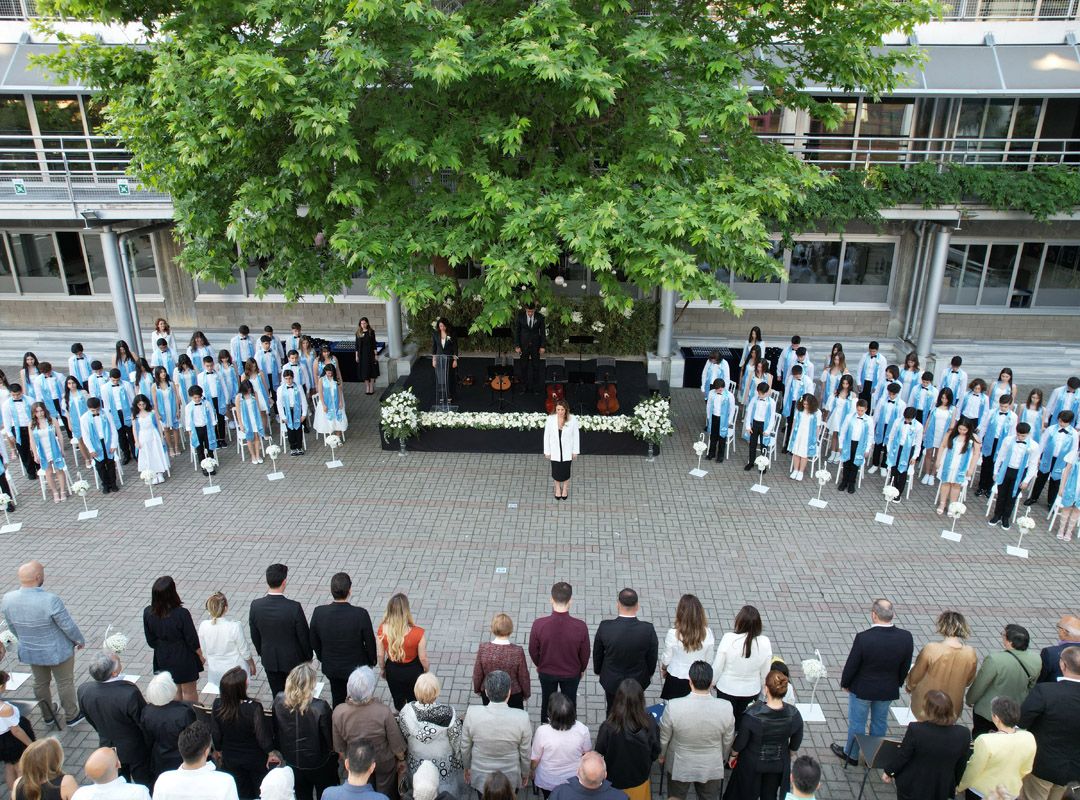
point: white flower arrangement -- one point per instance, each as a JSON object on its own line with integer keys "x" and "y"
{"x": 890, "y": 492}
{"x": 1025, "y": 523}
{"x": 762, "y": 463}
{"x": 8, "y": 639}
{"x": 700, "y": 447}
{"x": 147, "y": 476}
{"x": 209, "y": 464}
{"x": 628, "y": 312}
{"x": 4, "y": 499}
{"x": 652, "y": 419}
{"x": 814, "y": 670}
{"x": 543, "y": 310}
{"x": 957, "y": 509}
{"x": 449, "y": 302}
{"x": 577, "y": 317}
{"x": 823, "y": 476}
{"x": 80, "y": 487}
{"x": 400, "y": 415}
{"x": 598, "y": 327}
{"x": 560, "y": 280}
{"x": 115, "y": 642}
{"x": 332, "y": 441}
{"x": 434, "y": 324}
{"x": 273, "y": 452}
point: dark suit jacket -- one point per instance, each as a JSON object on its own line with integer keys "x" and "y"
{"x": 1051, "y": 657}
{"x": 437, "y": 348}
{"x": 529, "y": 339}
{"x": 279, "y": 631}
{"x": 878, "y": 663}
{"x": 930, "y": 761}
{"x": 343, "y": 639}
{"x": 624, "y": 647}
{"x": 115, "y": 708}
{"x": 1051, "y": 712}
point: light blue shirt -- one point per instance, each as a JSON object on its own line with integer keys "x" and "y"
{"x": 47, "y": 634}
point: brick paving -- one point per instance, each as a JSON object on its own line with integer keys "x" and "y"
{"x": 439, "y": 526}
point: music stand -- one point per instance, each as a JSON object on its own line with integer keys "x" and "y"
{"x": 874, "y": 753}
{"x": 442, "y": 383}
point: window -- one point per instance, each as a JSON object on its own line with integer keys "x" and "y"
{"x": 95, "y": 261}
{"x": 71, "y": 256}
{"x": 998, "y": 277}
{"x": 1014, "y": 275}
{"x": 1059, "y": 282}
{"x": 813, "y": 271}
{"x": 62, "y": 116}
{"x": 867, "y": 272}
{"x": 761, "y": 289}
{"x": 36, "y": 263}
{"x": 15, "y": 121}
{"x": 7, "y": 278}
{"x": 1027, "y": 273}
{"x": 140, "y": 253}
{"x": 236, "y": 288}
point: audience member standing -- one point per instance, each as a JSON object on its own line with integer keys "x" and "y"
{"x": 743, "y": 659}
{"x": 48, "y": 638}
{"x": 304, "y": 733}
{"x": 102, "y": 768}
{"x": 500, "y": 653}
{"x": 342, "y": 637}
{"x": 360, "y": 764}
{"x": 1001, "y": 758}
{"x": 172, "y": 636}
{"x": 629, "y": 741}
{"x": 43, "y": 778}
{"x": 696, "y": 733}
{"x": 769, "y": 732}
{"x": 1068, "y": 629}
{"x": 222, "y": 641}
{"x": 196, "y": 777}
{"x": 933, "y": 754}
{"x": 432, "y": 732}
{"x": 1052, "y": 713}
{"x": 114, "y": 706}
{"x": 496, "y": 737}
{"x": 162, "y": 719}
{"x": 875, "y": 670}
{"x": 689, "y": 640}
{"x": 559, "y": 647}
{"x": 242, "y": 733}
{"x": 948, "y": 665}
{"x": 363, "y": 718}
{"x": 591, "y": 782}
{"x": 402, "y": 650}
{"x": 279, "y": 630}
{"x": 624, "y": 647}
{"x": 1007, "y": 673}
{"x": 558, "y": 745}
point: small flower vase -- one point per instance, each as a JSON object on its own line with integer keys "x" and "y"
{"x": 650, "y": 453}
{"x": 401, "y": 446}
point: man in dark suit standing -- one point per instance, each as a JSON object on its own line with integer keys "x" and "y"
{"x": 530, "y": 339}
{"x": 1068, "y": 629}
{"x": 876, "y": 668}
{"x": 279, "y": 629}
{"x": 114, "y": 707}
{"x": 624, "y": 647}
{"x": 342, "y": 637}
{"x": 1051, "y": 711}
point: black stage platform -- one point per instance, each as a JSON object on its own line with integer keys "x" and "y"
{"x": 631, "y": 379}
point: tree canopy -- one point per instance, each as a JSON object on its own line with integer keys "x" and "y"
{"x": 321, "y": 137}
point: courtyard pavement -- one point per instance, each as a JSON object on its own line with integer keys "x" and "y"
{"x": 466, "y": 536}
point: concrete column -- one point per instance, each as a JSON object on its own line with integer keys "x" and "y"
{"x": 137, "y": 345}
{"x": 110, "y": 247}
{"x": 394, "y": 346}
{"x": 666, "y": 337}
{"x": 935, "y": 279}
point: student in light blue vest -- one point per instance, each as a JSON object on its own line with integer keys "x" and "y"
{"x": 249, "y": 420}
{"x": 955, "y": 463}
{"x": 292, "y": 411}
{"x": 797, "y": 386}
{"x": 974, "y": 405}
{"x": 1032, "y": 413}
{"x": 954, "y": 378}
{"x": 79, "y": 364}
{"x": 74, "y": 405}
{"x": 242, "y": 346}
{"x": 1056, "y": 445}
{"x": 856, "y": 442}
{"x": 116, "y": 398}
{"x": 1017, "y": 463}
{"x": 840, "y": 405}
{"x": 905, "y": 444}
{"x": 888, "y": 412}
{"x": 200, "y": 419}
{"x": 168, "y": 408}
{"x": 715, "y": 368}
{"x": 719, "y": 417}
{"x": 786, "y": 359}
{"x": 922, "y": 397}
{"x": 937, "y": 424}
{"x": 1000, "y": 425}
{"x": 909, "y": 377}
{"x": 881, "y": 394}
{"x": 1069, "y": 515}
{"x": 102, "y": 441}
{"x": 803, "y": 441}
{"x": 1063, "y": 398}
{"x": 758, "y": 421}
{"x": 870, "y": 374}
{"x": 163, "y": 356}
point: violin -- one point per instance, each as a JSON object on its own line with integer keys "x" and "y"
{"x": 607, "y": 397}
{"x": 553, "y": 393}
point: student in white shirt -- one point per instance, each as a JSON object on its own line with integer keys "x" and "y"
{"x": 954, "y": 379}
{"x": 1017, "y": 463}
{"x": 197, "y": 779}
{"x": 688, "y": 640}
{"x": 856, "y": 443}
{"x": 162, "y": 330}
{"x": 242, "y": 346}
{"x": 79, "y": 365}
{"x": 101, "y": 440}
{"x": 871, "y": 373}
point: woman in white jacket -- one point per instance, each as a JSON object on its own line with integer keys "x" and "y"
{"x": 222, "y": 641}
{"x": 743, "y": 659}
{"x": 562, "y": 444}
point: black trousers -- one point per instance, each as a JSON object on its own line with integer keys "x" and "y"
{"x": 878, "y": 458}
{"x": 788, "y": 426}
{"x": 219, "y": 426}
{"x": 339, "y": 692}
{"x": 1043, "y": 479}
{"x": 202, "y": 445}
{"x": 867, "y": 394}
{"x": 295, "y": 437}
{"x": 127, "y": 442}
{"x": 717, "y": 442}
{"x": 106, "y": 470}
{"x": 26, "y": 455}
{"x": 757, "y": 432}
{"x": 738, "y": 704}
{"x": 899, "y": 480}
{"x": 138, "y": 773}
{"x": 986, "y": 472}
{"x": 276, "y": 680}
{"x": 530, "y": 369}
{"x": 921, "y": 417}
{"x": 1003, "y": 508}
{"x": 850, "y": 476}
{"x": 549, "y": 684}
{"x": 313, "y": 782}
{"x": 981, "y": 725}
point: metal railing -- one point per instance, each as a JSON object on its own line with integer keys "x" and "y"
{"x": 18, "y": 9}
{"x": 1011, "y": 9}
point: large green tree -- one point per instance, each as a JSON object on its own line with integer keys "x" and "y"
{"x": 505, "y": 132}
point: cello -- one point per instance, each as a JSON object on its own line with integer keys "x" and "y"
{"x": 607, "y": 397}
{"x": 552, "y": 394}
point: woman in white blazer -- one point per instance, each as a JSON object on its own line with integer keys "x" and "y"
{"x": 743, "y": 659}
{"x": 562, "y": 444}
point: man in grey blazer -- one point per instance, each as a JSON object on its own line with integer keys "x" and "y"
{"x": 496, "y": 737}
{"x": 696, "y": 733}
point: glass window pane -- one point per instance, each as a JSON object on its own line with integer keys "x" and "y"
{"x": 867, "y": 271}
{"x": 999, "y": 272}
{"x": 62, "y": 115}
{"x": 36, "y": 263}
{"x": 7, "y": 282}
{"x": 141, "y": 262}
{"x": 212, "y": 288}
{"x": 969, "y": 123}
{"x": 95, "y": 260}
{"x": 814, "y": 269}
{"x": 71, "y": 256}
{"x": 835, "y": 148}
{"x": 998, "y": 116}
{"x": 1059, "y": 285}
{"x": 106, "y": 157}
{"x": 884, "y": 128}
{"x": 768, "y": 122}
{"x": 763, "y": 289}
{"x": 15, "y": 121}
{"x": 963, "y": 272}
{"x": 1026, "y": 273}
{"x": 1021, "y": 143}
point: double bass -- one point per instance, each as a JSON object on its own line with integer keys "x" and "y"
{"x": 607, "y": 397}
{"x": 552, "y": 394}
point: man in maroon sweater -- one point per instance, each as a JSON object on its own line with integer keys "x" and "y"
{"x": 559, "y": 647}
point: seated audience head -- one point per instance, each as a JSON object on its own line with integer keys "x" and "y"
{"x": 501, "y": 625}
{"x": 805, "y": 776}
{"x": 701, "y": 676}
{"x": 360, "y": 758}
{"x": 426, "y": 688}
{"x": 1070, "y": 662}
{"x": 561, "y": 712}
{"x": 497, "y": 787}
{"x": 497, "y": 686}
{"x": 276, "y": 575}
{"x": 341, "y": 586}
{"x": 361, "y": 684}
{"x": 194, "y": 744}
{"x": 42, "y": 761}
{"x": 938, "y": 708}
{"x": 278, "y": 785}
{"x": 161, "y": 690}
{"x": 426, "y": 781}
{"x": 882, "y": 611}
{"x": 104, "y": 665}
{"x": 592, "y": 771}
{"x": 233, "y": 692}
{"x": 300, "y": 687}
{"x": 103, "y": 765}
{"x": 628, "y": 708}
{"x": 953, "y": 624}
{"x": 1006, "y": 711}
{"x": 561, "y": 594}
{"x": 776, "y": 684}
{"x": 628, "y": 600}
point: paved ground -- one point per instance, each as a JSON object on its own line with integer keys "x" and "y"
{"x": 440, "y": 528}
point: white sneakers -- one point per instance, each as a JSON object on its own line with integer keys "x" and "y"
{"x": 927, "y": 480}
{"x": 871, "y": 471}
{"x": 796, "y": 476}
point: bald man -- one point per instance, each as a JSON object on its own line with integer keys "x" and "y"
{"x": 1068, "y": 630}
{"x": 591, "y": 782}
{"x": 103, "y": 769}
{"x": 48, "y": 638}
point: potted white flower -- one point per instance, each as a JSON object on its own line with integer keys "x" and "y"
{"x": 79, "y": 488}
{"x": 891, "y": 493}
{"x": 273, "y": 452}
{"x": 209, "y": 465}
{"x": 333, "y": 441}
{"x": 814, "y": 671}
{"x": 399, "y": 417}
{"x": 761, "y": 463}
{"x": 148, "y": 476}
{"x": 955, "y": 510}
{"x": 822, "y": 476}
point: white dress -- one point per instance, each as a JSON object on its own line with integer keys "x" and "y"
{"x": 152, "y": 454}
{"x": 800, "y": 442}
{"x": 836, "y": 414}
{"x": 223, "y": 646}
{"x": 324, "y": 422}
{"x": 937, "y": 425}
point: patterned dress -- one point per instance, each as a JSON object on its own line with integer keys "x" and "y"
{"x": 432, "y": 733}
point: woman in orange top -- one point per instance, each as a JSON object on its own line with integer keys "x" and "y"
{"x": 948, "y": 666}
{"x": 402, "y": 648}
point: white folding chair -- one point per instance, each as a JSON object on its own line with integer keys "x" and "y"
{"x": 42, "y": 482}
{"x": 1053, "y": 513}
{"x": 773, "y": 436}
{"x": 990, "y": 504}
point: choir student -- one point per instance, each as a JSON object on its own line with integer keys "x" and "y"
{"x": 1017, "y": 463}
{"x": 887, "y": 414}
{"x": 168, "y": 409}
{"x": 1056, "y": 445}
{"x": 292, "y": 412}
{"x": 871, "y": 373}
{"x": 714, "y": 368}
{"x": 909, "y": 377}
{"x": 840, "y": 405}
{"x": 936, "y": 425}
{"x": 249, "y": 420}
{"x": 905, "y": 444}
{"x": 856, "y": 441}
{"x": 758, "y": 422}
{"x": 200, "y": 420}
{"x": 719, "y": 419}
{"x": 955, "y": 464}
{"x": 1000, "y": 425}
{"x": 79, "y": 364}
{"x": 101, "y": 439}
{"x": 805, "y": 429}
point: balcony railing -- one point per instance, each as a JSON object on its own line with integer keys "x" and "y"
{"x": 18, "y": 9}
{"x": 1011, "y": 9}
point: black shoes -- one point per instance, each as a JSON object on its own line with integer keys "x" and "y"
{"x": 748, "y": 467}
{"x": 838, "y": 751}
{"x": 79, "y": 717}
{"x": 1005, "y": 524}
{"x": 993, "y": 521}
{"x": 1030, "y": 501}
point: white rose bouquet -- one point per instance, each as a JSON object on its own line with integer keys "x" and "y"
{"x": 400, "y": 415}
{"x": 652, "y": 419}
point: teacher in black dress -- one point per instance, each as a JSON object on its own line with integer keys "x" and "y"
{"x": 172, "y": 636}
{"x": 367, "y": 359}
{"x": 442, "y": 344}
{"x": 562, "y": 444}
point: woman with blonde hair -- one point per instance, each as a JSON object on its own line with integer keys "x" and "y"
{"x": 948, "y": 666}
{"x": 304, "y": 732}
{"x": 499, "y": 653}
{"x": 432, "y": 732}
{"x": 224, "y": 645}
{"x": 43, "y": 778}
{"x": 688, "y": 640}
{"x": 402, "y": 650}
